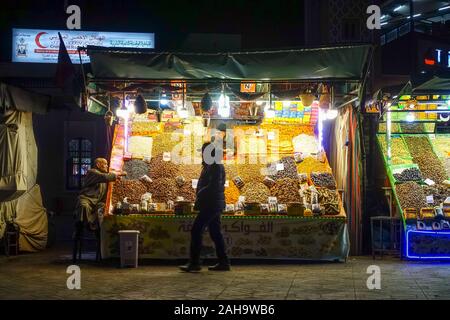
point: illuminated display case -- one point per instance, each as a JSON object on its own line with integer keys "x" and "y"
{"x": 417, "y": 159}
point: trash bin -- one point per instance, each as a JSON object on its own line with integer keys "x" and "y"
{"x": 129, "y": 240}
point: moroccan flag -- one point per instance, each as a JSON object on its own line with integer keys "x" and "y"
{"x": 66, "y": 76}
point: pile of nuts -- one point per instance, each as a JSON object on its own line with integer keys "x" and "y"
{"x": 286, "y": 190}
{"x": 255, "y": 192}
{"x": 428, "y": 162}
{"x": 187, "y": 192}
{"x": 289, "y": 171}
{"x": 251, "y": 172}
{"x": 135, "y": 169}
{"x": 164, "y": 189}
{"x": 165, "y": 142}
{"x": 161, "y": 169}
{"x": 399, "y": 151}
{"x": 439, "y": 192}
{"x": 410, "y": 195}
{"x": 412, "y": 127}
{"x": 323, "y": 179}
{"x": 131, "y": 189}
{"x": 409, "y": 174}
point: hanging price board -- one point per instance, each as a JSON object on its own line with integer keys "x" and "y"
{"x": 194, "y": 183}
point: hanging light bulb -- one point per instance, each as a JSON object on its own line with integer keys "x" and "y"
{"x": 224, "y": 105}
{"x": 122, "y": 112}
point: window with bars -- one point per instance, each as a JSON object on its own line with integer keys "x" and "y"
{"x": 79, "y": 162}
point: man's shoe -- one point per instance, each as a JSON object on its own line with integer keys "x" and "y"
{"x": 191, "y": 268}
{"x": 220, "y": 267}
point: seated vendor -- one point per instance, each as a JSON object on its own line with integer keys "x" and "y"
{"x": 92, "y": 198}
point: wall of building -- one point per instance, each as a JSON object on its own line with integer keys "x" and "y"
{"x": 53, "y": 131}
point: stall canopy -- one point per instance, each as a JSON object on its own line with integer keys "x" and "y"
{"x": 437, "y": 85}
{"x": 345, "y": 63}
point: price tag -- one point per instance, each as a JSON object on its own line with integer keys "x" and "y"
{"x": 166, "y": 156}
{"x": 227, "y": 183}
{"x": 241, "y": 199}
{"x": 430, "y": 199}
{"x": 147, "y": 158}
{"x": 194, "y": 183}
{"x": 272, "y": 200}
{"x": 280, "y": 166}
{"x": 429, "y": 182}
{"x": 271, "y": 135}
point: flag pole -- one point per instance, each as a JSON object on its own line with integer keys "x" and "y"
{"x": 83, "y": 96}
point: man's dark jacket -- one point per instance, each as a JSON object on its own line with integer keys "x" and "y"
{"x": 210, "y": 189}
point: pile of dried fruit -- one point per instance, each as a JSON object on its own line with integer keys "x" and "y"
{"x": 409, "y": 174}
{"x": 165, "y": 142}
{"x": 255, "y": 192}
{"x": 289, "y": 169}
{"x": 323, "y": 179}
{"x": 329, "y": 201}
{"x": 190, "y": 171}
{"x": 164, "y": 189}
{"x": 399, "y": 151}
{"x": 286, "y": 190}
{"x": 429, "y": 164}
{"x": 410, "y": 195}
{"x": 135, "y": 169}
{"x": 251, "y": 172}
{"x": 412, "y": 127}
{"x": 231, "y": 194}
{"x": 186, "y": 191}
{"x": 311, "y": 164}
{"x": 439, "y": 192}
{"x": 131, "y": 189}
{"x": 145, "y": 128}
{"x": 161, "y": 169}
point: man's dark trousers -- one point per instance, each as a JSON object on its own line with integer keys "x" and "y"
{"x": 212, "y": 221}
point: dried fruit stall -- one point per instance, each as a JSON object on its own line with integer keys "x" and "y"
{"x": 415, "y": 153}
{"x": 282, "y": 200}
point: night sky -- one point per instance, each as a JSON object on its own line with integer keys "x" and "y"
{"x": 262, "y": 24}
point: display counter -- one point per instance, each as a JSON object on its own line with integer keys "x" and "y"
{"x": 165, "y": 236}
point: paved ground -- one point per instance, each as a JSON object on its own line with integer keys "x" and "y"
{"x": 43, "y": 276}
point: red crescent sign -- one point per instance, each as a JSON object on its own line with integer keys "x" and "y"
{"x": 37, "y": 39}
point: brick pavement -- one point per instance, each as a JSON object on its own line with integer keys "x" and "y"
{"x": 43, "y": 276}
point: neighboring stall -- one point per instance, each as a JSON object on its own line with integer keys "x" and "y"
{"x": 415, "y": 142}
{"x": 20, "y": 196}
{"x": 282, "y": 199}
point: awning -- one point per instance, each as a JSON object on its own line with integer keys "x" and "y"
{"x": 344, "y": 63}
{"x": 15, "y": 98}
{"x": 437, "y": 85}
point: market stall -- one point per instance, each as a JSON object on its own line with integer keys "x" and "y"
{"x": 282, "y": 199}
{"x": 414, "y": 142}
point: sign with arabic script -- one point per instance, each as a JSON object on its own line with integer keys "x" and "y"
{"x": 42, "y": 46}
{"x": 245, "y": 237}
